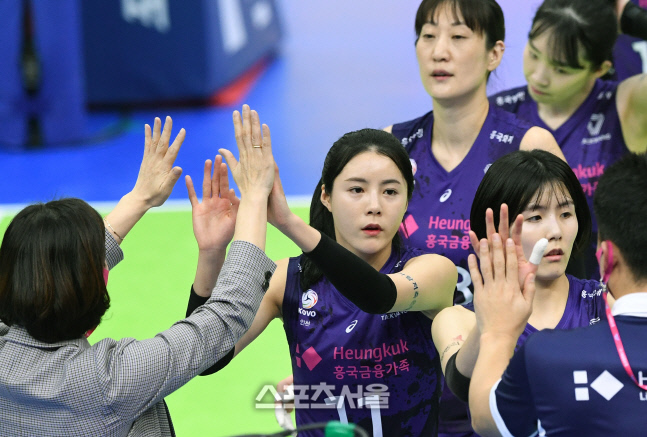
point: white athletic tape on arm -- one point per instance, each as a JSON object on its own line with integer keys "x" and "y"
{"x": 282, "y": 416}
{"x": 538, "y": 251}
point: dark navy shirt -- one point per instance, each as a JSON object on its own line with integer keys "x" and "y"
{"x": 572, "y": 383}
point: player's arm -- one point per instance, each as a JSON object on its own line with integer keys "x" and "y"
{"x": 426, "y": 283}
{"x": 631, "y": 101}
{"x": 388, "y": 129}
{"x": 539, "y": 138}
{"x": 456, "y": 337}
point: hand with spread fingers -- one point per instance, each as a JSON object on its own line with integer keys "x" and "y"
{"x": 155, "y": 181}
{"x": 254, "y": 169}
{"x": 214, "y": 218}
{"x": 157, "y": 175}
{"x": 501, "y": 307}
{"x": 505, "y": 232}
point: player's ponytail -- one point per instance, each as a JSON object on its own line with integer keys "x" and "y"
{"x": 322, "y": 220}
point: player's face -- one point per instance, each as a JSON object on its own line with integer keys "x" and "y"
{"x": 452, "y": 58}
{"x": 550, "y": 82}
{"x": 552, "y": 217}
{"x": 368, "y": 201}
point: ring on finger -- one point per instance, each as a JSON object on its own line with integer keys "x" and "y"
{"x": 257, "y": 147}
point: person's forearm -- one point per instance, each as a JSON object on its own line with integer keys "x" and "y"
{"x": 302, "y": 234}
{"x": 493, "y": 358}
{"x": 469, "y": 352}
{"x": 209, "y": 266}
{"x": 125, "y": 215}
{"x": 251, "y": 219}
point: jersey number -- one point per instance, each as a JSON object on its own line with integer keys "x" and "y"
{"x": 640, "y": 47}
{"x": 464, "y": 283}
{"x": 372, "y": 402}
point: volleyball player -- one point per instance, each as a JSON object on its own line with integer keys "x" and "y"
{"x": 539, "y": 196}
{"x": 588, "y": 381}
{"x": 357, "y": 305}
{"x": 594, "y": 121}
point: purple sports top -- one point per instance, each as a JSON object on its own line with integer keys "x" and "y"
{"x": 380, "y": 371}
{"x": 584, "y": 307}
{"x": 591, "y": 139}
{"x": 629, "y": 53}
{"x": 438, "y": 217}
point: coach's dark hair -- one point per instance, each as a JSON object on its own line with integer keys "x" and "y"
{"x": 521, "y": 177}
{"x": 484, "y": 17}
{"x": 587, "y": 24}
{"x": 341, "y": 152}
{"x": 51, "y": 270}
{"x": 620, "y": 204}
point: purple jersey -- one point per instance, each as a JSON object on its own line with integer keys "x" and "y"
{"x": 584, "y": 307}
{"x": 380, "y": 371}
{"x": 438, "y": 217}
{"x": 630, "y": 54}
{"x": 591, "y": 139}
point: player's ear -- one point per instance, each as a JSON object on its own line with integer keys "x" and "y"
{"x": 325, "y": 198}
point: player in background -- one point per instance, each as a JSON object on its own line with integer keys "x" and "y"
{"x": 586, "y": 381}
{"x": 459, "y": 44}
{"x": 532, "y": 195}
{"x": 595, "y": 121}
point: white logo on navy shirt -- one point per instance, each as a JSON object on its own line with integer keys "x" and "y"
{"x": 446, "y": 195}
{"x": 309, "y": 299}
{"x": 606, "y": 385}
{"x": 351, "y": 326}
{"x": 595, "y": 124}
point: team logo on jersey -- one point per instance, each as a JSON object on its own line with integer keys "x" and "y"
{"x": 446, "y": 195}
{"x": 606, "y": 385}
{"x": 351, "y": 326}
{"x": 595, "y": 124}
{"x": 309, "y": 299}
{"x": 414, "y": 166}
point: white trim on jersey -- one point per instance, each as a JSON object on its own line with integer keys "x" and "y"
{"x": 496, "y": 416}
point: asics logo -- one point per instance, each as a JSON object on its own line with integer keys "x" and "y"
{"x": 446, "y": 195}
{"x": 351, "y": 326}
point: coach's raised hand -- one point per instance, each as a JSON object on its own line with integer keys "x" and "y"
{"x": 253, "y": 173}
{"x": 156, "y": 179}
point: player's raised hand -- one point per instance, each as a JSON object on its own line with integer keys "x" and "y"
{"x": 214, "y": 219}
{"x": 254, "y": 169}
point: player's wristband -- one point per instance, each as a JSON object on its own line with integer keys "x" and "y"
{"x": 633, "y": 21}
{"x": 195, "y": 301}
{"x": 372, "y": 291}
{"x": 458, "y": 383}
